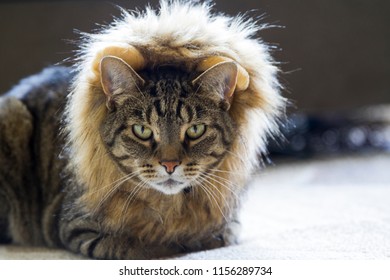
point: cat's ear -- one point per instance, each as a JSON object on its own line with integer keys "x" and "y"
{"x": 117, "y": 77}
{"x": 220, "y": 78}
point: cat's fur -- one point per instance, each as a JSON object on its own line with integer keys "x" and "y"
{"x": 81, "y": 193}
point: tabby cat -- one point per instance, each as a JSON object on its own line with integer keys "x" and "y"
{"x": 143, "y": 149}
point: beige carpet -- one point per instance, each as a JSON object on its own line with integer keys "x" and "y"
{"x": 334, "y": 208}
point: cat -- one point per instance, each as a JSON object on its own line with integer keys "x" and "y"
{"x": 143, "y": 148}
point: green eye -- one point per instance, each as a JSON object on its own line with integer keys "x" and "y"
{"x": 196, "y": 131}
{"x": 142, "y": 132}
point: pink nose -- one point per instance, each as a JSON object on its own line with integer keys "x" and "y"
{"x": 170, "y": 166}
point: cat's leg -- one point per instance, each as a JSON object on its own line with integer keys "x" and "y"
{"x": 231, "y": 232}
{"x": 83, "y": 236}
{"x": 16, "y": 127}
{"x": 227, "y": 236}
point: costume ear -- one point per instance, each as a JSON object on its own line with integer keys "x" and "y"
{"x": 242, "y": 76}
{"x": 220, "y": 78}
{"x": 117, "y": 77}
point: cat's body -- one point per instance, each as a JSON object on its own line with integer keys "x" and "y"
{"x": 31, "y": 168}
{"x": 160, "y": 132}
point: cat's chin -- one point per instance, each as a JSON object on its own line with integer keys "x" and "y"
{"x": 170, "y": 186}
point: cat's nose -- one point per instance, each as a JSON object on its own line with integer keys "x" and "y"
{"x": 170, "y": 166}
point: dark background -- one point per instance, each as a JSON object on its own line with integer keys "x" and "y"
{"x": 335, "y": 55}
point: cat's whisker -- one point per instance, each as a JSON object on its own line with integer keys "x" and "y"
{"x": 207, "y": 192}
{"x": 226, "y": 171}
{"x": 203, "y": 188}
{"x": 130, "y": 199}
{"x": 136, "y": 191}
{"x": 240, "y": 158}
{"x": 116, "y": 184}
{"x": 124, "y": 179}
{"x": 211, "y": 195}
{"x": 218, "y": 180}
{"x": 207, "y": 180}
{"x": 223, "y": 179}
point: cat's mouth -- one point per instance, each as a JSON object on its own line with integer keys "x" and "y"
{"x": 170, "y": 183}
{"x": 169, "y": 186}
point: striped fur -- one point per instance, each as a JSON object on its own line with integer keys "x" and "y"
{"x": 118, "y": 200}
{"x": 30, "y": 169}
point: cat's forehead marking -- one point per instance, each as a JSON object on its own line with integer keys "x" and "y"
{"x": 172, "y": 98}
{"x": 166, "y": 80}
{"x": 167, "y": 87}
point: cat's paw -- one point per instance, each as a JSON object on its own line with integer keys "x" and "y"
{"x": 162, "y": 252}
{"x": 214, "y": 243}
{"x": 231, "y": 233}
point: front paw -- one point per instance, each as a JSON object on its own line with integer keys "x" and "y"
{"x": 229, "y": 236}
{"x": 231, "y": 233}
{"x": 162, "y": 251}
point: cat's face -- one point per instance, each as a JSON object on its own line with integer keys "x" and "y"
{"x": 166, "y": 130}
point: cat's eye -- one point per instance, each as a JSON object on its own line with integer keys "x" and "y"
{"x": 196, "y": 131}
{"x": 142, "y": 132}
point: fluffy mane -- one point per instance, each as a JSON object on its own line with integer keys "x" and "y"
{"x": 183, "y": 33}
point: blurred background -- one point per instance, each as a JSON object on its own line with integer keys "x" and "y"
{"x": 335, "y": 55}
